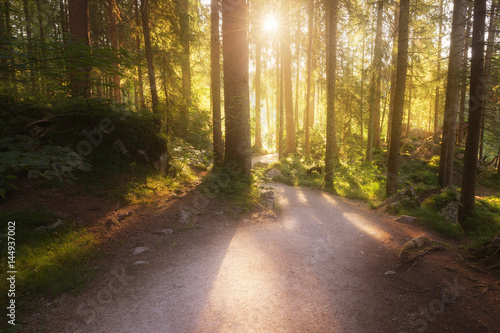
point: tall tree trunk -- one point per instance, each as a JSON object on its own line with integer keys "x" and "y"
{"x": 395, "y": 144}
{"x": 9, "y": 73}
{"x": 331, "y": 155}
{"x": 487, "y": 72}
{"x": 287, "y": 76}
{"x": 113, "y": 31}
{"x": 394, "y": 60}
{"x": 185, "y": 37}
{"x": 437, "y": 99}
{"x": 477, "y": 95}
{"x": 408, "y": 120}
{"x": 40, "y": 21}
{"x": 140, "y": 87}
{"x": 362, "y": 92}
{"x": 258, "y": 107}
{"x": 149, "y": 59}
{"x": 374, "y": 117}
{"x": 236, "y": 86}
{"x": 498, "y": 161}
{"x": 278, "y": 97}
{"x": 215, "y": 83}
{"x": 29, "y": 35}
{"x": 307, "y": 118}
{"x": 297, "y": 88}
{"x": 80, "y": 35}
{"x": 463, "y": 85}
{"x": 64, "y": 21}
{"x": 281, "y": 151}
{"x": 452, "y": 102}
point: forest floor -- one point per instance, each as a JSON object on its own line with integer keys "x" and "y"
{"x": 322, "y": 264}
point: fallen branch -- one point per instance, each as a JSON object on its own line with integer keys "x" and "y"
{"x": 424, "y": 252}
{"x": 478, "y": 268}
{"x": 493, "y": 266}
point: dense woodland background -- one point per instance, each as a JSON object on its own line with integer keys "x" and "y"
{"x": 392, "y": 103}
{"x": 354, "y": 87}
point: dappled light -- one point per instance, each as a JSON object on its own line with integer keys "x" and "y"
{"x": 249, "y": 166}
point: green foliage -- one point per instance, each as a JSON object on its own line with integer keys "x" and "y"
{"x": 317, "y": 142}
{"x": 229, "y": 185}
{"x": 416, "y": 171}
{"x": 22, "y": 154}
{"x": 359, "y": 180}
{"x": 490, "y": 179}
{"x": 109, "y": 136}
{"x": 184, "y": 154}
{"x": 48, "y": 261}
{"x": 439, "y": 201}
{"x": 485, "y": 221}
{"x": 435, "y": 221}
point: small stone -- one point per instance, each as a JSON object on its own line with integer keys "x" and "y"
{"x": 184, "y": 215}
{"x": 139, "y": 250}
{"x": 268, "y": 198}
{"x": 406, "y": 219}
{"x": 123, "y": 215}
{"x": 246, "y": 221}
{"x": 110, "y": 223}
{"x": 273, "y": 173}
{"x": 139, "y": 262}
{"x": 57, "y": 224}
{"x": 164, "y": 232}
{"x": 421, "y": 241}
{"x": 220, "y": 213}
{"x": 389, "y": 273}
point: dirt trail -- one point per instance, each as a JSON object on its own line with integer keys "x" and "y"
{"x": 318, "y": 268}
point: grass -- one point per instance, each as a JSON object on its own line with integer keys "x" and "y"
{"x": 243, "y": 190}
{"x": 48, "y": 262}
{"x": 359, "y": 180}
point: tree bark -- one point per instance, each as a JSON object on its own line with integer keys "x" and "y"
{"x": 477, "y": 95}
{"x": 452, "y": 102}
{"x": 331, "y": 155}
{"x": 395, "y": 144}
{"x": 114, "y": 44}
{"x": 236, "y": 85}
{"x": 437, "y": 98}
{"x": 307, "y": 117}
{"x": 140, "y": 87}
{"x": 215, "y": 84}
{"x": 463, "y": 85}
{"x": 149, "y": 59}
{"x": 185, "y": 39}
{"x": 394, "y": 60}
{"x": 64, "y": 21}
{"x": 80, "y": 37}
{"x": 258, "y": 122}
{"x": 487, "y": 71}
{"x": 374, "y": 117}
{"x": 29, "y": 35}
{"x": 287, "y": 76}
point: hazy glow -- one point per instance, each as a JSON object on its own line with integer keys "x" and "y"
{"x": 270, "y": 23}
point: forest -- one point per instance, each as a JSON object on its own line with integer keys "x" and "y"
{"x": 394, "y": 104}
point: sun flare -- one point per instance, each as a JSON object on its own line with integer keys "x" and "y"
{"x": 270, "y": 23}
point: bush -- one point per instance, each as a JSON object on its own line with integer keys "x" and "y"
{"x": 108, "y": 135}
{"x": 22, "y": 154}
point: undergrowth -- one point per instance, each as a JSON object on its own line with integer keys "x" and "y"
{"x": 48, "y": 261}
{"x": 243, "y": 190}
{"x": 358, "y": 180}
